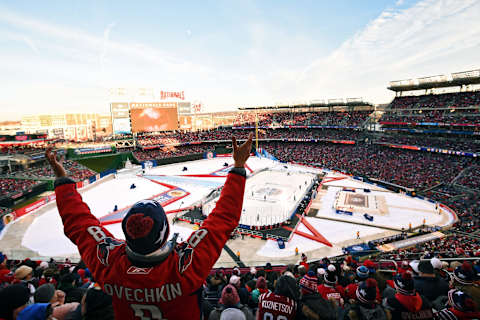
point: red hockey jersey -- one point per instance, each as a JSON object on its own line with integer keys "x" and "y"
{"x": 330, "y": 293}
{"x": 276, "y": 307}
{"x": 167, "y": 290}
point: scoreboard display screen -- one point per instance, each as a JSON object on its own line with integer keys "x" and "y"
{"x": 152, "y": 119}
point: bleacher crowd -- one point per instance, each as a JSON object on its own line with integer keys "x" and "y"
{"x": 339, "y": 289}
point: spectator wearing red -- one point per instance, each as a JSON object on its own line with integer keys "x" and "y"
{"x": 330, "y": 290}
{"x": 460, "y": 306}
{"x": 304, "y": 262}
{"x": 147, "y": 262}
{"x": 280, "y": 304}
{"x": 407, "y": 303}
{"x": 312, "y": 305}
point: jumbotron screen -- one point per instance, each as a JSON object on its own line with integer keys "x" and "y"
{"x": 154, "y": 119}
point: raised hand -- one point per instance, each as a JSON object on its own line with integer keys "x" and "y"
{"x": 241, "y": 153}
{"x": 56, "y": 166}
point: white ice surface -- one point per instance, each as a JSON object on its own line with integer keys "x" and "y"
{"x": 45, "y": 234}
{"x": 333, "y": 231}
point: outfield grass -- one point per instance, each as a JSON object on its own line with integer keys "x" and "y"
{"x": 100, "y": 164}
{"x": 26, "y": 202}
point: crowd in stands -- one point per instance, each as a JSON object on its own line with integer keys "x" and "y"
{"x": 406, "y": 168}
{"x": 224, "y": 134}
{"x": 26, "y": 150}
{"x": 167, "y": 152}
{"x": 437, "y": 101}
{"x": 326, "y": 289}
{"x": 42, "y": 170}
{"x": 456, "y": 108}
{"x": 458, "y": 144}
{"x": 4, "y": 210}
{"x": 283, "y": 119}
{"x": 8, "y": 185}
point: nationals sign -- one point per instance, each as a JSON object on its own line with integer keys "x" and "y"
{"x": 172, "y": 94}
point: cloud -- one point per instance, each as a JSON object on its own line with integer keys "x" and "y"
{"x": 189, "y": 33}
{"x": 399, "y": 2}
{"x": 87, "y": 41}
{"x": 429, "y": 38}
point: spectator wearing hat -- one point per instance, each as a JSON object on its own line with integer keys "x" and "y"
{"x": 320, "y": 274}
{"x": 329, "y": 290}
{"x": 230, "y": 306}
{"x": 182, "y": 268}
{"x": 462, "y": 279}
{"x": 303, "y": 261}
{"x": 236, "y": 271}
{"x": 242, "y": 291}
{"x": 312, "y": 305}
{"x": 282, "y": 303}
{"x": 46, "y": 293}
{"x": 404, "y": 267}
{"x": 260, "y": 288}
{"x": 427, "y": 283}
{"x": 365, "y": 305}
{"x": 250, "y": 275}
{"x": 362, "y": 273}
{"x": 13, "y": 299}
{"x": 270, "y": 275}
{"x": 24, "y": 275}
{"x": 407, "y": 303}
{"x": 6, "y": 275}
{"x": 460, "y": 306}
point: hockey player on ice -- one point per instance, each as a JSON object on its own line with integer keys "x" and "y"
{"x": 147, "y": 275}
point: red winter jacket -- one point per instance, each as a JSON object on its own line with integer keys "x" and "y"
{"x": 168, "y": 290}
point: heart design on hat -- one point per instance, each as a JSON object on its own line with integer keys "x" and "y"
{"x": 138, "y": 225}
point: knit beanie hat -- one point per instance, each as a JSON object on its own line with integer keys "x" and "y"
{"x": 367, "y": 291}
{"x": 22, "y": 272}
{"x": 12, "y": 297}
{"x": 229, "y": 296}
{"x": 235, "y": 280}
{"x": 253, "y": 270}
{"x": 461, "y": 301}
{"x": 362, "y": 272}
{"x": 330, "y": 277}
{"x": 44, "y": 293}
{"x": 43, "y": 265}
{"x": 145, "y": 227}
{"x": 320, "y": 272}
{"x": 404, "y": 284}
{"x": 464, "y": 274}
{"x": 436, "y": 263}
{"x": 261, "y": 283}
{"x": 308, "y": 284}
{"x": 232, "y": 314}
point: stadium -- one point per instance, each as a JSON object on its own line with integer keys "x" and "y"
{"x": 342, "y": 208}
{"x": 389, "y": 194}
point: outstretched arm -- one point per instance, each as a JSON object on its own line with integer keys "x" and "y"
{"x": 94, "y": 242}
{"x": 204, "y": 246}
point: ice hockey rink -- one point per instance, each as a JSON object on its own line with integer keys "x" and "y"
{"x": 40, "y": 234}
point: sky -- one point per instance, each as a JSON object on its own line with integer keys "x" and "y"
{"x": 63, "y": 56}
